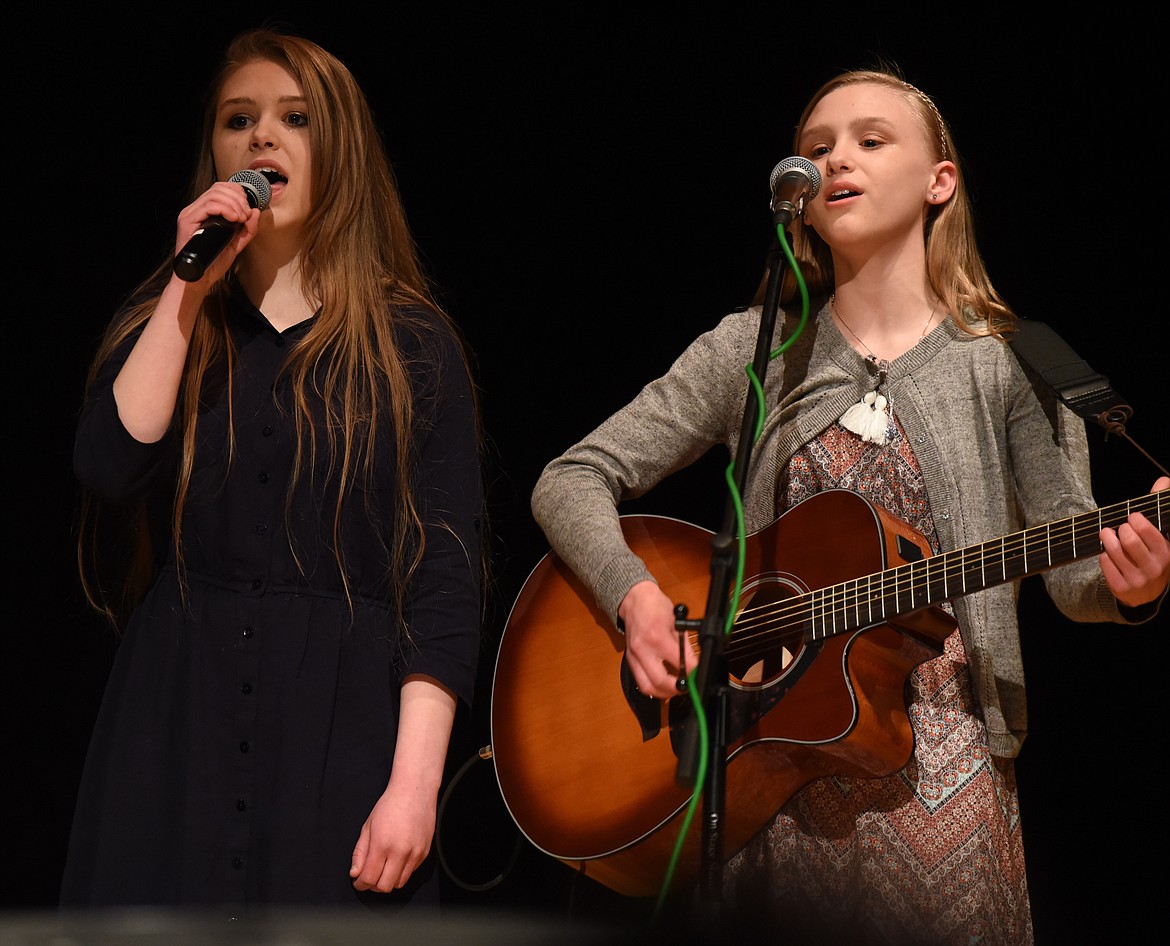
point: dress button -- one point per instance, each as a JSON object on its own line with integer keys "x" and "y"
{"x": 261, "y": 528}
{"x": 237, "y": 862}
{"x": 257, "y": 584}
{"x": 246, "y": 689}
{"x": 244, "y": 747}
{"x": 263, "y": 477}
{"x": 267, "y": 431}
{"x": 241, "y": 805}
{"x": 249, "y": 631}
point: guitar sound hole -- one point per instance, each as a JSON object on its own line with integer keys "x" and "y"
{"x": 762, "y": 646}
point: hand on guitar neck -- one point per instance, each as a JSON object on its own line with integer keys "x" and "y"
{"x": 1136, "y": 558}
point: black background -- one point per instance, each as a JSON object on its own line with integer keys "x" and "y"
{"x": 588, "y": 187}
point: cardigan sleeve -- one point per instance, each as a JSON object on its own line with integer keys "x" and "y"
{"x": 669, "y": 424}
{"x": 1045, "y": 435}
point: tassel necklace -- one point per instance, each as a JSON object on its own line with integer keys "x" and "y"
{"x": 870, "y": 417}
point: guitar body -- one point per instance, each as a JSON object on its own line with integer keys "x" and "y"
{"x": 586, "y": 765}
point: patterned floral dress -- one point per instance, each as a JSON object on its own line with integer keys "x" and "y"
{"x": 930, "y": 855}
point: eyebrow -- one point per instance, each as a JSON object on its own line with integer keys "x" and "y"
{"x": 248, "y": 100}
{"x": 868, "y": 121}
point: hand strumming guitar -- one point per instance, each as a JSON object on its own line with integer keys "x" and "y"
{"x": 652, "y": 642}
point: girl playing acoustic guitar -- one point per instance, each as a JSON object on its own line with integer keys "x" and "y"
{"x": 902, "y": 388}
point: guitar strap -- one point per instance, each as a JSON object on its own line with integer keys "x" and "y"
{"x": 1086, "y": 392}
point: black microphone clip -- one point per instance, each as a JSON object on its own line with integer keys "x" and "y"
{"x": 208, "y": 241}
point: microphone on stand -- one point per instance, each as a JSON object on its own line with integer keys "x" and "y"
{"x": 793, "y": 181}
{"x": 208, "y": 241}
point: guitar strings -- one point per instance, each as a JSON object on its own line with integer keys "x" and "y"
{"x": 786, "y": 622}
{"x": 937, "y": 570}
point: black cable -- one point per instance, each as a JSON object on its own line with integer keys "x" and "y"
{"x": 483, "y": 754}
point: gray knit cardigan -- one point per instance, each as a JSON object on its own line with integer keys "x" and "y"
{"x": 997, "y": 450}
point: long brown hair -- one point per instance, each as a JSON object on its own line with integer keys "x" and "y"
{"x": 360, "y": 263}
{"x": 954, "y": 267}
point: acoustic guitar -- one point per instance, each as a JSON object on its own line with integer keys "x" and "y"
{"x": 840, "y": 602}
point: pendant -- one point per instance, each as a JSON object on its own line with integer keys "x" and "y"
{"x": 868, "y": 418}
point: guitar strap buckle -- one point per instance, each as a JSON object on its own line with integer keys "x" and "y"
{"x": 1087, "y": 393}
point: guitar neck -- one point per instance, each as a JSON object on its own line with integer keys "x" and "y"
{"x": 884, "y": 595}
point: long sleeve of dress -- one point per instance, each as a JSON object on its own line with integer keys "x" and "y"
{"x": 445, "y": 603}
{"x": 106, "y": 459}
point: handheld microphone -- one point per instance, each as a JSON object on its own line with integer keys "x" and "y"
{"x": 208, "y": 241}
{"x": 793, "y": 181}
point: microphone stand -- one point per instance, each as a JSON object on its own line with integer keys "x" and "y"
{"x": 711, "y": 676}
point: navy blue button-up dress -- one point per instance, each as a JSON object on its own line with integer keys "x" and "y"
{"x": 249, "y": 721}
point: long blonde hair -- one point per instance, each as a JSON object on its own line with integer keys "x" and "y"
{"x": 954, "y": 267}
{"x": 359, "y": 260}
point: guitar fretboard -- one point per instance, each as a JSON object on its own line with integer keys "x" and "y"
{"x": 883, "y": 595}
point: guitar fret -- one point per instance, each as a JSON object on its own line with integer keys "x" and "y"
{"x": 1015, "y": 566}
{"x": 1065, "y": 548}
